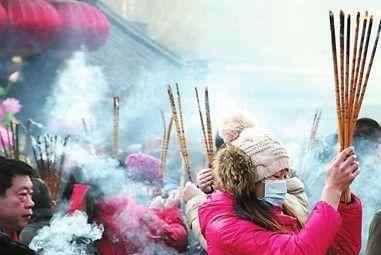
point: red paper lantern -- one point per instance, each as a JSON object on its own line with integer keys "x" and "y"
{"x": 82, "y": 25}
{"x": 3, "y": 19}
{"x": 32, "y": 25}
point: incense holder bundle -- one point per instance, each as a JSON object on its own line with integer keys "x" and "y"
{"x": 179, "y": 124}
{"x": 350, "y": 81}
{"x": 48, "y": 152}
{"x": 349, "y": 67}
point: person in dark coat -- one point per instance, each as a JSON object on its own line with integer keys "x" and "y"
{"x": 16, "y": 204}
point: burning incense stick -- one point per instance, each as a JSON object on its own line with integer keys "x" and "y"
{"x": 115, "y": 127}
{"x": 350, "y": 91}
{"x": 206, "y": 144}
{"x": 161, "y": 167}
{"x": 167, "y": 140}
{"x": 165, "y": 145}
{"x": 206, "y": 129}
{"x": 335, "y": 70}
{"x": 314, "y": 128}
{"x": 178, "y": 119}
{"x": 209, "y": 128}
{"x": 183, "y": 138}
{"x": 369, "y": 67}
{"x": 353, "y": 78}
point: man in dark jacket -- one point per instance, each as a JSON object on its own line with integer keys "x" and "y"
{"x": 16, "y": 204}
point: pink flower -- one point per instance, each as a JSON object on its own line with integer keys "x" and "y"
{"x": 4, "y": 134}
{"x": 11, "y": 105}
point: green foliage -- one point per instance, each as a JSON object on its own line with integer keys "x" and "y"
{"x": 8, "y": 117}
{"x": 3, "y": 92}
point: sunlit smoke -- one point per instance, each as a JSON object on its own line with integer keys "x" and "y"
{"x": 69, "y": 235}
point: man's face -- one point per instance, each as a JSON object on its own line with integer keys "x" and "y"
{"x": 16, "y": 206}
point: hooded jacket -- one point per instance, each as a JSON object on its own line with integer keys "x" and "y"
{"x": 326, "y": 231}
{"x": 131, "y": 228}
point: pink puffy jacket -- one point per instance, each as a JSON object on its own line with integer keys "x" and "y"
{"x": 327, "y": 231}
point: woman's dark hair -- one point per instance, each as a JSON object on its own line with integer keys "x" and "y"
{"x": 366, "y": 135}
{"x": 41, "y": 196}
{"x": 236, "y": 174}
{"x": 367, "y": 128}
{"x": 219, "y": 142}
{"x": 10, "y": 168}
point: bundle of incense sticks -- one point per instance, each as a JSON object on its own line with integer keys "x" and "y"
{"x": 28, "y": 137}
{"x": 115, "y": 127}
{"x": 49, "y": 157}
{"x": 179, "y": 123}
{"x": 314, "y": 128}
{"x": 350, "y": 86}
{"x": 165, "y": 143}
{"x": 13, "y": 138}
{"x": 206, "y": 131}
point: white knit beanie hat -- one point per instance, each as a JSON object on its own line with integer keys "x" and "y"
{"x": 232, "y": 125}
{"x": 268, "y": 155}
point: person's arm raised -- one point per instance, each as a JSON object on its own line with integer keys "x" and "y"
{"x": 340, "y": 174}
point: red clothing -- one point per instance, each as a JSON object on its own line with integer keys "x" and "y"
{"x": 129, "y": 228}
{"x": 78, "y": 196}
{"x": 327, "y": 230}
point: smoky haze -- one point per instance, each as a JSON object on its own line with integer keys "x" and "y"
{"x": 270, "y": 58}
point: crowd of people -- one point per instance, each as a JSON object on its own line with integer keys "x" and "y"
{"x": 249, "y": 201}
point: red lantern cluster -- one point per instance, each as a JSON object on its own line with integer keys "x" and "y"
{"x": 3, "y": 19}
{"x": 82, "y": 24}
{"x": 32, "y": 26}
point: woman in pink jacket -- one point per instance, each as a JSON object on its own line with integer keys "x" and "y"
{"x": 247, "y": 214}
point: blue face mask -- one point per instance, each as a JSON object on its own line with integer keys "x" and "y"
{"x": 275, "y": 192}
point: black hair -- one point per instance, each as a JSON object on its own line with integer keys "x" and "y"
{"x": 366, "y": 135}
{"x": 41, "y": 196}
{"x": 367, "y": 128}
{"x": 10, "y": 168}
{"x": 219, "y": 142}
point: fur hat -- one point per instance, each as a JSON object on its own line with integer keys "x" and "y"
{"x": 143, "y": 167}
{"x": 268, "y": 155}
{"x": 234, "y": 169}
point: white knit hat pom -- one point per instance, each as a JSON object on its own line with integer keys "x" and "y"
{"x": 233, "y": 124}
